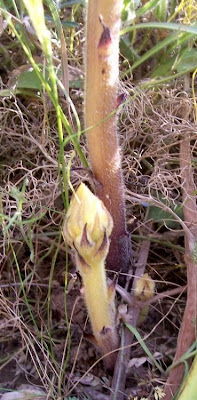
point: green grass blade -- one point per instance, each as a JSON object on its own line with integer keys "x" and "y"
{"x": 70, "y": 3}
{"x": 149, "y": 6}
{"x": 161, "y": 25}
{"x": 15, "y": 9}
{"x": 158, "y": 82}
{"x": 162, "y": 10}
{"x": 144, "y": 347}
{"x": 159, "y": 46}
{"x": 55, "y": 15}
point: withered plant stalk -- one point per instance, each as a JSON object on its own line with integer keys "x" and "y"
{"x": 187, "y": 333}
{"x": 101, "y": 103}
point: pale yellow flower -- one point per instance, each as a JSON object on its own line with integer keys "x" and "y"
{"x": 159, "y": 393}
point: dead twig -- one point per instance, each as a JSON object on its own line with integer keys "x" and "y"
{"x": 119, "y": 378}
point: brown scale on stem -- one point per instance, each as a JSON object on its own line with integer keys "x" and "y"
{"x": 105, "y": 40}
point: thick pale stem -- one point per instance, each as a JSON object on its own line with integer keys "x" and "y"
{"x": 87, "y": 229}
{"x": 96, "y": 296}
{"x": 100, "y": 307}
{"x": 101, "y": 60}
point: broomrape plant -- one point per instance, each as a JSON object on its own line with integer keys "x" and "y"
{"x": 87, "y": 228}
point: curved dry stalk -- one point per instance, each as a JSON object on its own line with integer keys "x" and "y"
{"x": 187, "y": 333}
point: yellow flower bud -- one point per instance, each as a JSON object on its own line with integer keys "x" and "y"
{"x": 144, "y": 290}
{"x": 88, "y": 226}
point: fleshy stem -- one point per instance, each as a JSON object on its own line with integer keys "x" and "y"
{"x": 100, "y": 306}
{"x": 101, "y": 99}
{"x": 87, "y": 229}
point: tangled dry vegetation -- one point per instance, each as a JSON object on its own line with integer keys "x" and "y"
{"x": 43, "y": 335}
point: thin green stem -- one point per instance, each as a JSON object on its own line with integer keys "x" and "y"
{"x": 15, "y": 9}
{"x": 68, "y": 337}
{"x": 23, "y": 289}
{"x": 49, "y": 294}
{"x": 163, "y": 242}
